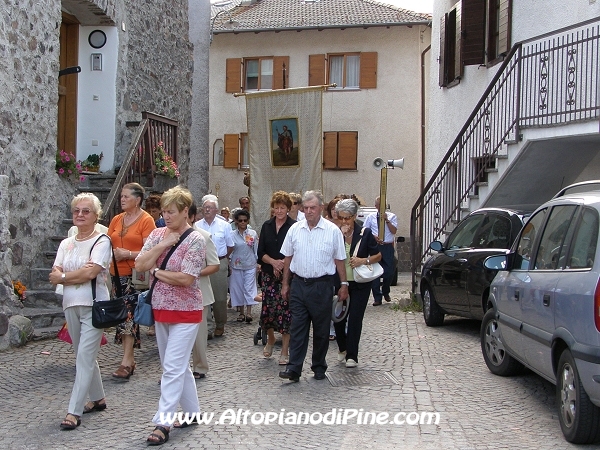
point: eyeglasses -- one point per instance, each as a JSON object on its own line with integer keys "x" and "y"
{"x": 84, "y": 211}
{"x": 296, "y": 203}
{"x": 242, "y": 220}
{"x": 345, "y": 218}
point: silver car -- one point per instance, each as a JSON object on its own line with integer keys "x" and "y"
{"x": 546, "y": 307}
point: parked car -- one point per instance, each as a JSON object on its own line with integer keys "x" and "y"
{"x": 546, "y": 307}
{"x": 454, "y": 281}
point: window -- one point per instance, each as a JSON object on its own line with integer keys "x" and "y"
{"x": 473, "y": 32}
{"x": 256, "y": 73}
{"x": 259, "y": 74}
{"x": 551, "y": 253}
{"x": 236, "y": 153}
{"x": 347, "y": 70}
{"x": 494, "y": 233}
{"x": 527, "y": 239}
{"x": 218, "y": 152}
{"x": 340, "y": 150}
{"x": 584, "y": 245}
{"x": 464, "y": 234}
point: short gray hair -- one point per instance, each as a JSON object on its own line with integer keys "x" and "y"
{"x": 211, "y": 198}
{"x": 91, "y": 197}
{"x": 310, "y": 195}
{"x": 347, "y": 205}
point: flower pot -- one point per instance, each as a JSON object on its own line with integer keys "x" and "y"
{"x": 163, "y": 183}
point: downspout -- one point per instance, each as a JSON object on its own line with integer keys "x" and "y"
{"x": 423, "y": 124}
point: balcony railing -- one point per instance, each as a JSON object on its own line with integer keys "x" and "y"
{"x": 138, "y": 165}
{"x": 548, "y": 80}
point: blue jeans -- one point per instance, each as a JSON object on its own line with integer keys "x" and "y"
{"x": 387, "y": 262}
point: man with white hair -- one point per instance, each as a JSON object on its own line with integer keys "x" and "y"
{"x": 220, "y": 233}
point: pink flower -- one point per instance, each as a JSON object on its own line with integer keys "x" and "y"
{"x": 81, "y": 178}
{"x": 61, "y": 171}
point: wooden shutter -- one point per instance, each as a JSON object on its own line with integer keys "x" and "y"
{"x": 443, "y": 79}
{"x": 233, "y": 75}
{"x": 316, "y": 70}
{"x": 368, "y": 70}
{"x": 231, "y": 151}
{"x": 330, "y": 150}
{"x": 347, "y": 149}
{"x": 458, "y": 64}
{"x": 504, "y": 28}
{"x": 278, "y": 65}
{"x": 473, "y": 29}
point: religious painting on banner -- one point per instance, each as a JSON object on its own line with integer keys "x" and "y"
{"x": 285, "y": 148}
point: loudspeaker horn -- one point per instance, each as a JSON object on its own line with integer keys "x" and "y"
{"x": 378, "y": 163}
{"x": 397, "y": 163}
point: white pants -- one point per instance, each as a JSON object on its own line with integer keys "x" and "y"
{"x": 86, "y": 343}
{"x": 177, "y": 386}
{"x": 199, "y": 360}
{"x": 242, "y": 287}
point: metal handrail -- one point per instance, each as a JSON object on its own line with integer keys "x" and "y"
{"x": 138, "y": 165}
{"x": 521, "y": 94}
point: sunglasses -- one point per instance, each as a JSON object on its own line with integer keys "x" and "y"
{"x": 242, "y": 220}
{"x": 84, "y": 211}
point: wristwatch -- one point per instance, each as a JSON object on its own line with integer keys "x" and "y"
{"x": 345, "y": 283}
{"x": 156, "y": 269}
{"x": 63, "y": 277}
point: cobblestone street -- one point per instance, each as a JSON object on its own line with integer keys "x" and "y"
{"x": 436, "y": 369}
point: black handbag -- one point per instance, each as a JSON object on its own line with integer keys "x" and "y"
{"x": 109, "y": 313}
{"x": 143, "y": 310}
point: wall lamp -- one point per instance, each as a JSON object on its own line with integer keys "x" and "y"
{"x": 229, "y": 24}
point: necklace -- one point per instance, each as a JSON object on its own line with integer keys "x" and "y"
{"x": 85, "y": 237}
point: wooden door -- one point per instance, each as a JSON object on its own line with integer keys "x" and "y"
{"x": 67, "y": 85}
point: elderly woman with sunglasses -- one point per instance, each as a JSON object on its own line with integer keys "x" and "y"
{"x": 242, "y": 282}
{"x": 82, "y": 260}
{"x": 368, "y": 252}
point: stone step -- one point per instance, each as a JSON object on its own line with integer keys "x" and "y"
{"x": 39, "y": 278}
{"x": 40, "y": 334}
{"x": 43, "y": 317}
{"x": 42, "y": 298}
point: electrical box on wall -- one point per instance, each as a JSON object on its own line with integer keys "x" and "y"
{"x": 96, "y": 61}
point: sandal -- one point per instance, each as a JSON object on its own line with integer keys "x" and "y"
{"x": 94, "y": 406}
{"x": 241, "y": 318}
{"x": 268, "y": 350}
{"x": 284, "y": 360}
{"x": 124, "y": 372}
{"x": 198, "y": 376}
{"x": 157, "y": 439}
{"x": 248, "y": 319}
{"x": 69, "y": 424}
{"x": 184, "y": 424}
{"x": 332, "y": 337}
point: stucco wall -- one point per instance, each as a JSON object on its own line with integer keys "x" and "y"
{"x": 449, "y": 108}
{"x": 387, "y": 118}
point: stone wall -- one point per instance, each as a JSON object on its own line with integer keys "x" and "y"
{"x": 154, "y": 74}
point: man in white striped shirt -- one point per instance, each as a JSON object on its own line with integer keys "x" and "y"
{"x": 313, "y": 249}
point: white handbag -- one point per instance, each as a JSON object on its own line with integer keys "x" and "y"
{"x": 366, "y": 272}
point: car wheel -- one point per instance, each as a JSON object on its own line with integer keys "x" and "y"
{"x": 579, "y": 417}
{"x": 432, "y": 313}
{"x": 496, "y": 358}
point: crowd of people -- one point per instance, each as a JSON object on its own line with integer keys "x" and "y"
{"x": 193, "y": 257}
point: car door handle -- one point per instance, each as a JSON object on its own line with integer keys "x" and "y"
{"x": 461, "y": 260}
{"x": 517, "y": 295}
{"x": 546, "y": 300}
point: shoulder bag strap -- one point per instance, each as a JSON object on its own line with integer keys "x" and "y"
{"x": 164, "y": 263}
{"x": 358, "y": 243}
{"x": 94, "y": 279}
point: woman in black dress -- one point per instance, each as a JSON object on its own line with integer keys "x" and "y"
{"x": 275, "y": 314}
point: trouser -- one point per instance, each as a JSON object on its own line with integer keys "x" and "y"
{"x": 381, "y": 288}
{"x": 219, "y": 286}
{"x": 348, "y": 340}
{"x": 210, "y": 320}
{"x": 310, "y": 302}
{"x": 86, "y": 343}
{"x": 177, "y": 386}
{"x": 199, "y": 360}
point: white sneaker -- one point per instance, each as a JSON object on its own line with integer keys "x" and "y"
{"x": 341, "y": 356}
{"x": 351, "y": 363}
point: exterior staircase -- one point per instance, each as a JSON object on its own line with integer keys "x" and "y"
{"x": 547, "y": 81}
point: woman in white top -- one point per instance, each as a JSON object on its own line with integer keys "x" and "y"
{"x": 81, "y": 260}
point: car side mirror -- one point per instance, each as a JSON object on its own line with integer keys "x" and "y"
{"x": 499, "y": 262}
{"x": 437, "y": 246}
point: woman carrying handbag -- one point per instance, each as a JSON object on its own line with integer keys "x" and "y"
{"x": 368, "y": 253}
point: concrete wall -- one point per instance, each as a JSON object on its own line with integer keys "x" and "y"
{"x": 388, "y": 118}
{"x": 449, "y": 108}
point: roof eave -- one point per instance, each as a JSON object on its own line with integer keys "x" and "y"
{"x": 322, "y": 27}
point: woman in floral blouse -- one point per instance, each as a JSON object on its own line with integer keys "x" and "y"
{"x": 242, "y": 283}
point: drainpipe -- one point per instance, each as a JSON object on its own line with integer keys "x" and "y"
{"x": 423, "y": 118}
